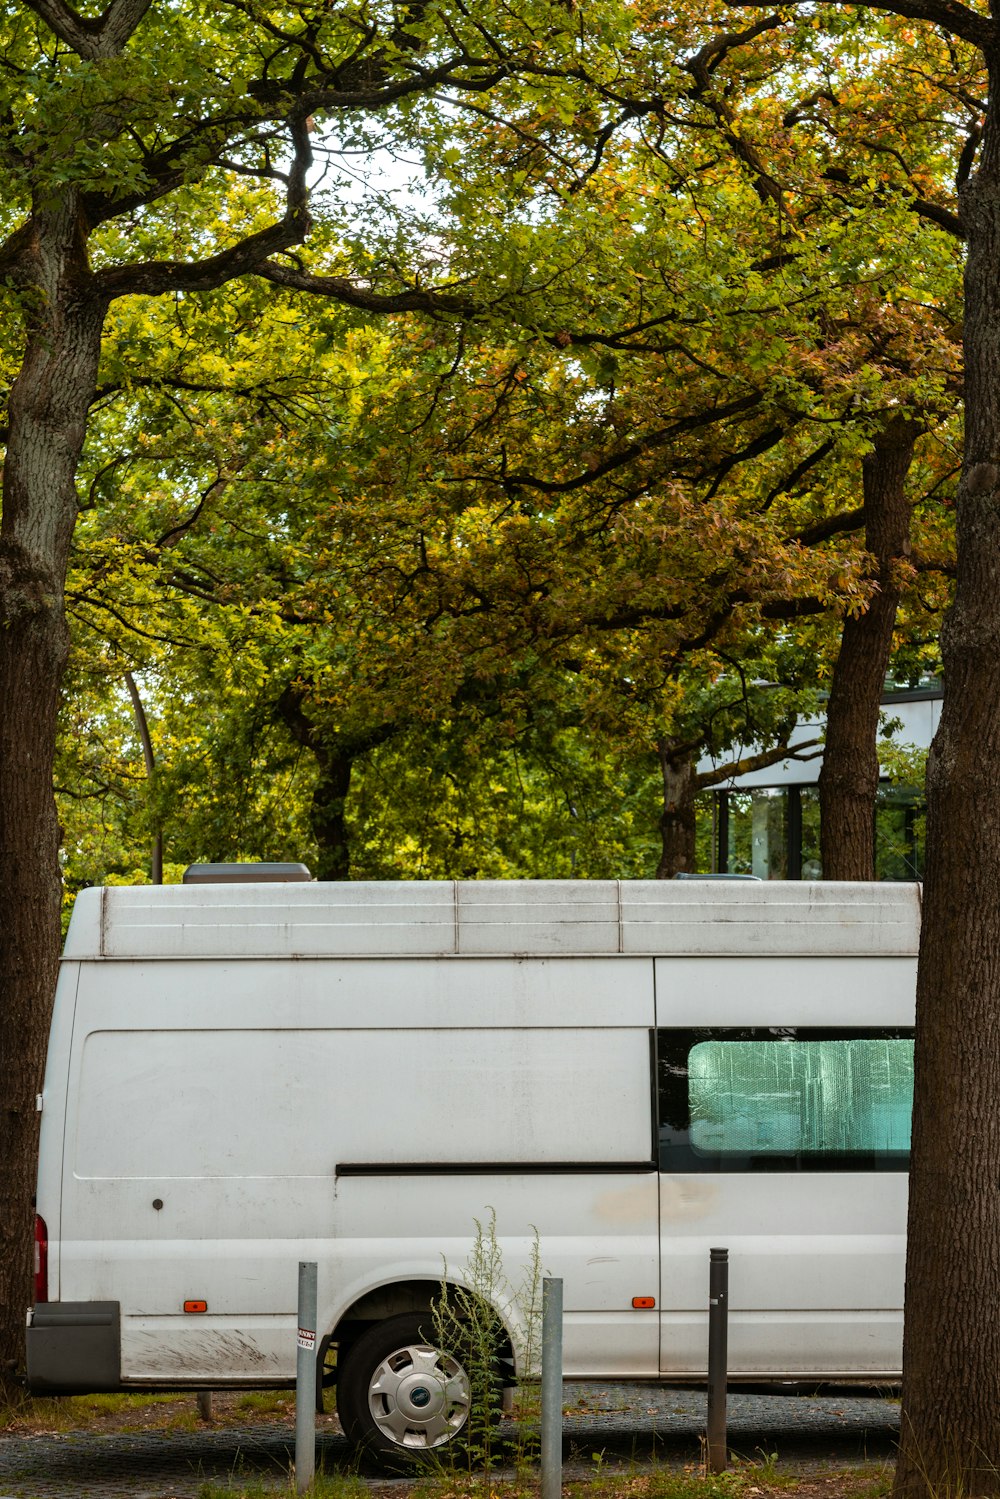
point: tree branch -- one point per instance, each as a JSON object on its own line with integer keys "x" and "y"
{"x": 156, "y": 277}
{"x": 760, "y": 761}
{"x": 633, "y": 450}
{"x": 218, "y": 486}
{"x": 956, "y": 19}
{"x": 935, "y": 213}
{"x": 341, "y": 289}
{"x": 840, "y": 524}
{"x": 13, "y": 253}
{"x": 92, "y": 39}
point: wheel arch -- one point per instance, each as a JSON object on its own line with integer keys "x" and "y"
{"x": 391, "y": 1299}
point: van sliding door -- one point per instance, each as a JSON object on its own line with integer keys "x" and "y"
{"x": 786, "y": 1143}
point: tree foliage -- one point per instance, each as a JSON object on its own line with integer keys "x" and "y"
{"x": 446, "y": 529}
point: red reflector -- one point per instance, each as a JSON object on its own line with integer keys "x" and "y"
{"x": 41, "y": 1260}
{"x": 196, "y": 1306}
{"x": 643, "y": 1303}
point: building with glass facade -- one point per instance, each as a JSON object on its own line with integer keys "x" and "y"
{"x": 767, "y": 823}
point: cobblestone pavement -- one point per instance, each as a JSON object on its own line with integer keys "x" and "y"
{"x": 613, "y": 1424}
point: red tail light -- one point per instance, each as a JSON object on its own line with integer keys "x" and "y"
{"x": 41, "y": 1260}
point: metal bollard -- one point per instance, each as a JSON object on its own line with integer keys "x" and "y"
{"x": 716, "y": 1455}
{"x": 305, "y": 1379}
{"x": 552, "y": 1387}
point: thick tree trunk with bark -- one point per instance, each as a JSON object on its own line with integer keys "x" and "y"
{"x": 43, "y": 258}
{"x": 48, "y": 410}
{"x": 951, "y": 1356}
{"x": 848, "y": 781}
{"x": 677, "y": 819}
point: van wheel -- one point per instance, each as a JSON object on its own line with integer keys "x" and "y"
{"x": 399, "y": 1395}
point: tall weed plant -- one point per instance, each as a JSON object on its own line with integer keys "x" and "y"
{"x": 468, "y": 1328}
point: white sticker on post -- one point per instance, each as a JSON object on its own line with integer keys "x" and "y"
{"x": 307, "y": 1339}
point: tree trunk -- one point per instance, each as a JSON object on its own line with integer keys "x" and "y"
{"x": 677, "y": 820}
{"x": 848, "y": 781}
{"x": 48, "y": 409}
{"x": 149, "y": 761}
{"x": 950, "y": 1438}
{"x": 336, "y": 755}
{"x": 327, "y": 815}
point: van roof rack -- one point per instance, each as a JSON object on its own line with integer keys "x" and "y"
{"x": 254, "y": 873}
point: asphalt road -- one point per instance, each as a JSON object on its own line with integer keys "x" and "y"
{"x": 606, "y": 1425}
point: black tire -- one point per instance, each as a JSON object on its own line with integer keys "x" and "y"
{"x": 398, "y": 1397}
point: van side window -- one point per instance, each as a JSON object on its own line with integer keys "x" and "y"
{"x": 790, "y": 1098}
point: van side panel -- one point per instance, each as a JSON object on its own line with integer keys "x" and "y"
{"x": 232, "y": 1118}
{"x": 240, "y": 1077}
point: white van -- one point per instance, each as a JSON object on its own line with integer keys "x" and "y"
{"x": 242, "y": 1076}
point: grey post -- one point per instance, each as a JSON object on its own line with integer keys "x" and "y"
{"x": 305, "y": 1379}
{"x": 716, "y": 1457}
{"x": 552, "y": 1387}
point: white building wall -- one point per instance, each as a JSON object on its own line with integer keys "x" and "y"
{"x": 918, "y": 720}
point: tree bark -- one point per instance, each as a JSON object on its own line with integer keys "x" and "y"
{"x": 48, "y": 410}
{"x": 327, "y": 815}
{"x": 848, "y": 780}
{"x": 677, "y": 819}
{"x": 950, "y": 1438}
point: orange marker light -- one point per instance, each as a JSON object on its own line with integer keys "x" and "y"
{"x": 196, "y": 1306}
{"x": 643, "y": 1303}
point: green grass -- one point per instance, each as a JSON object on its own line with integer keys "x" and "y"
{"x": 267, "y": 1403}
{"x": 184, "y": 1421}
{"x": 72, "y": 1411}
